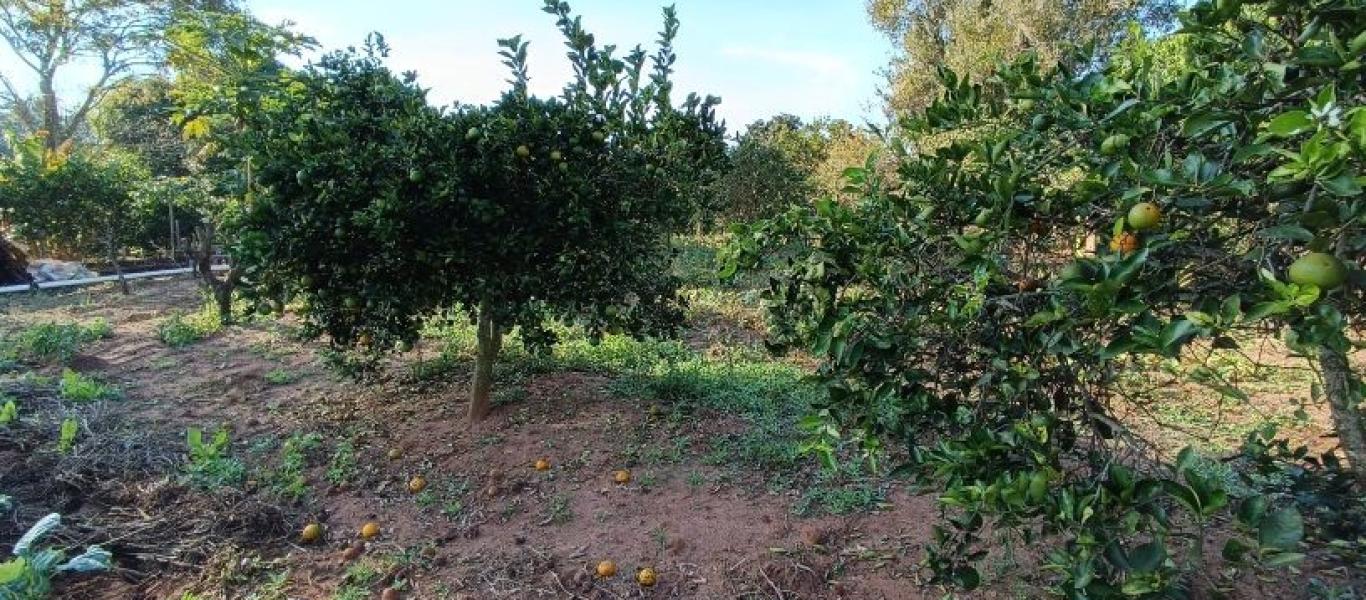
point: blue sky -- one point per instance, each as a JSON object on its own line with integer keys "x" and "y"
{"x": 806, "y": 57}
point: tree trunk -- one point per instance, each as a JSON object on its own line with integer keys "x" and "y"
{"x": 118, "y": 269}
{"x": 490, "y": 341}
{"x": 221, "y": 289}
{"x": 52, "y": 115}
{"x": 1347, "y": 417}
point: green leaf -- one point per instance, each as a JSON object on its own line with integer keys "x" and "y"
{"x": 1251, "y": 511}
{"x": 1149, "y": 556}
{"x": 1201, "y": 123}
{"x": 1286, "y": 232}
{"x": 1345, "y": 185}
{"x": 1290, "y": 123}
{"x": 1281, "y": 530}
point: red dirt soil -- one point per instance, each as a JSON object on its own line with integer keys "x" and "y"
{"x": 733, "y": 539}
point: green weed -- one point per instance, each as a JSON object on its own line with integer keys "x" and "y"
{"x": 9, "y": 411}
{"x": 66, "y": 438}
{"x": 211, "y": 465}
{"x": 48, "y": 343}
{"x": 75, "y": 387}
{"x": 180, "y": 330}
{"x": 559, "y": 511}
{"x": 279, "y": 377}
{"x": 342, "y": 467}
{"x": 289, "y": 480}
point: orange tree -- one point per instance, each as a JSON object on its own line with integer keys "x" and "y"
{"x": 983, "y": 305}
{"x": 379, "y": 211}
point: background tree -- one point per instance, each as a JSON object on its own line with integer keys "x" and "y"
{"x": 782, "y": 161}
{"x": 138, "y": 116}
{"x": 226, "y": 69}
{"x": 49, "y": 37}
{"x": 970, "y": 37}
{"x": 71, "y": 203}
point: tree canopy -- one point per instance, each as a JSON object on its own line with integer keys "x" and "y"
{"x": 970, "y": 37}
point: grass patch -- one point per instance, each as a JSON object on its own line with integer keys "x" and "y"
{"x": 288, "y": 480}
{"x": 280, "y": 376}
{"x": 75, "y": 387}
{"x": 343, "y": 466}
{"x": 51, "y": 342}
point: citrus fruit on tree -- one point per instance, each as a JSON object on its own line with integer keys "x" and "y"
{"x": 1144, "y": 216}
{"x": 556, "y": 156}
{"x": 523, "y": 151}
{"x": 1320, "y": 269}
{"x": 646, "y": 577}
{"x": 607, "y": 569}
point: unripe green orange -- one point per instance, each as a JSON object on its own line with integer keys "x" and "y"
{"x": 1320, "y": 269}
{"x": 1144, "y": 216}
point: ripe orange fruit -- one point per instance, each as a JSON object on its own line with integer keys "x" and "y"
{"x": 417, "y": 484}
{"x": 312, "y": 533}
{"x": 623, "y": 476}
{"x": 542, "y": 465}
{"x": 369, "y": 530}
{"x": 1144, "y": 216}
{"x": 1125, "y": 243}
{"x": 1320, "y": 269}
{"x": 646, "y": 577}
{"x": 607, "y": 569}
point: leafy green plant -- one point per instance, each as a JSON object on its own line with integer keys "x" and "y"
{"x": 210, "y": 462}
{"x": 30, "y": 572}
{"x": 76, "y": 387}
{"x": 66, "y": 436}
{"x": 9, "y": 411}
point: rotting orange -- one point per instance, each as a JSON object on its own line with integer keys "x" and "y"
{"x": 646, "y": 577}
{"x": 417, "y": 484}
{"x": 607, "y": 569}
